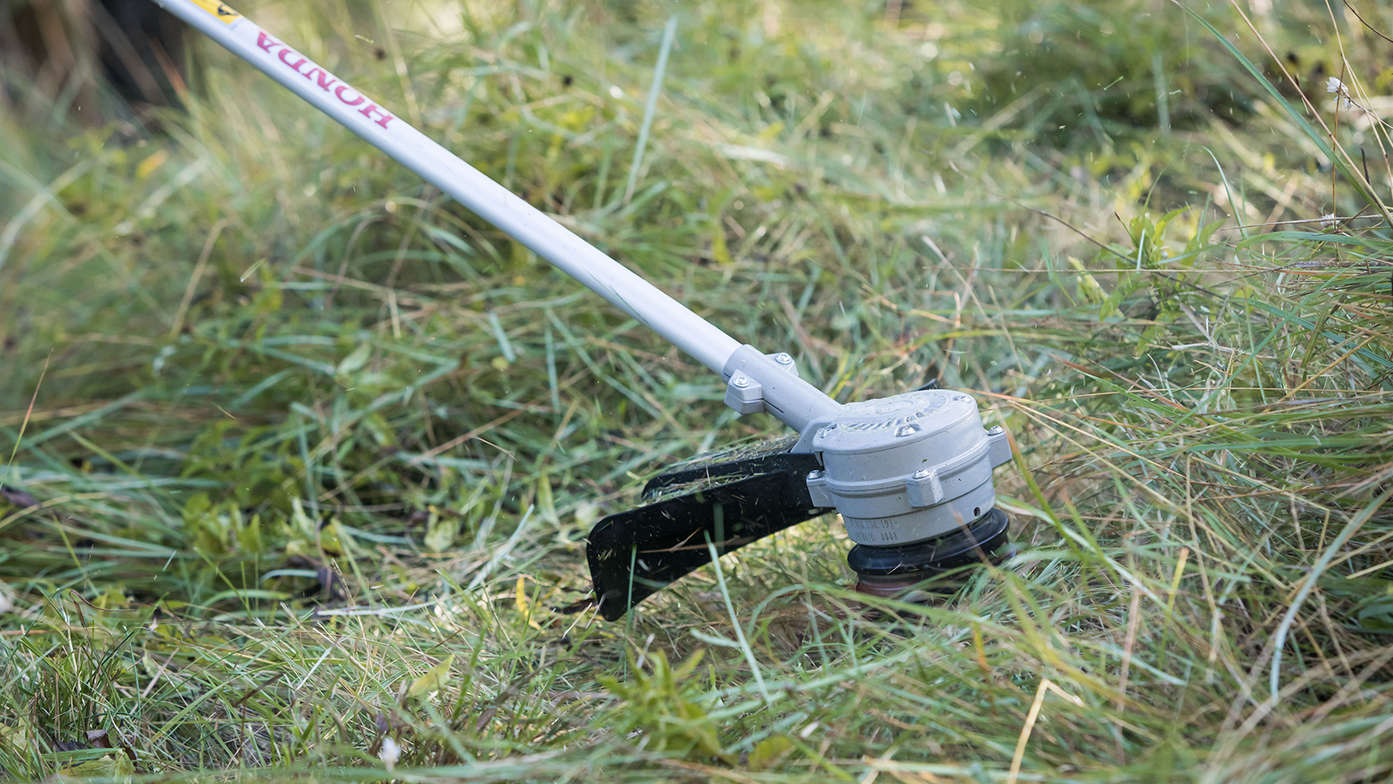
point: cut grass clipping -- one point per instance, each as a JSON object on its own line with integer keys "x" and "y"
{"x": 300, "y": 456}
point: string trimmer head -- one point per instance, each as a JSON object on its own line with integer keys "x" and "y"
{"x": 910, "y": 475}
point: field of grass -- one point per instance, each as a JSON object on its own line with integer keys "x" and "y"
{"x": 300, "y": 456}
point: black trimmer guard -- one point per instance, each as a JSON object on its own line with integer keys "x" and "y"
{"x": 726, "y": 500}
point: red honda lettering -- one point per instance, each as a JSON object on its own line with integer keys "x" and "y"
{"x": 338, "y": 91}
{"x": 295, "y": 66}
{"x": 323, "y": 77}
{"x": 324, "y": 80}
{"x": 372, "y": 108}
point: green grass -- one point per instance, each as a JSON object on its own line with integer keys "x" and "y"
{"x": 312, "y": 451}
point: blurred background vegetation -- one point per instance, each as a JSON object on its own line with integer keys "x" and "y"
{"x": 301, "y": 456}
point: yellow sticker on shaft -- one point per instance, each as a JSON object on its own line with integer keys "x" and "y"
{"x": 220, "y": 10}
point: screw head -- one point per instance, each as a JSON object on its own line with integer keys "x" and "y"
{"x": 922, "y": 473}
{"x": 783, "y": 358}
{"x": 996, "y": 430}
{"x": 815, "y": 474}
{"x": 906, "y": 431}
{"x": 739, "y": 380}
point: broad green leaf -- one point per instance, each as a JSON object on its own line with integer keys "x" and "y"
{"x": 434, "y": 680}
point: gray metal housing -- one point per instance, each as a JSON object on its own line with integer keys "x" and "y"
{"x": 899, "y": 469}
{"x": 907, "y": 468}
